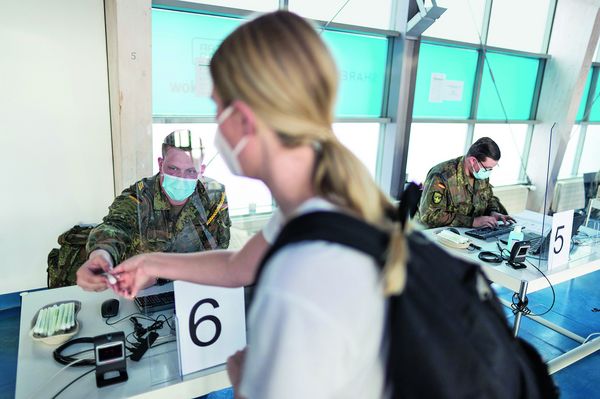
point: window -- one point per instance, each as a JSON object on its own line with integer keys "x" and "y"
{"x": 594, "y": 112}
{"x": 362, "y": 139}
{"x": 566, "y": 167}
{"x": 256, "y": 5}
{"x": 462, "y": 21}
{"x": 589, "y": 156}
{"x": 511, "y": 140}
{"x": 373, "y": 13}
{"x": 361, "y": 62}
{"x": 586, "y": 90}
{"x": 519, "y": 25}
{"x": 424, "y": 152}
{"x": 444, "y": 89}
{"x": 509, "y": 94}
{"x": 182, "y": 44}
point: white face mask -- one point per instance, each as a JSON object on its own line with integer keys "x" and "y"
{"x": 228, "y": 154}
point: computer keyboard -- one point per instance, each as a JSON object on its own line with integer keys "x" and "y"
{"x": 156, "y": 302}
{"x": 484, "y": 233}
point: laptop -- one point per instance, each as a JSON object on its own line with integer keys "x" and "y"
{"x": 539, "y": 244}
{"x": 156, "y": 299}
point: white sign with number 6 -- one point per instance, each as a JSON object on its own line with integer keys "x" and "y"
{"x": 211, "y": 324}
{"x": 560, "y": 239}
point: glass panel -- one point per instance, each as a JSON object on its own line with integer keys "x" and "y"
{"x": 462, "y": 21}
{"x": 566, "y": 167}
{"x": 584, "y": 97}
{"x": 256, "y": 5}
{"x": 244, "y": 195}
{"x": 511, "y": 140}
{"x": 514, "y": 84}
{"x": 589, "y": 156}
{"x": 361, "y": 61}
{"x": 595, "y": 107}
{"x": 373, "y": 13}
{"x": 518, "y": 24}
{"x": 248, "y": 195}
{"x": 445, "y": 78}
{"x": 182, "y": 44}
{"x": 432, "y": 143}
{"x": 362, "y": 139}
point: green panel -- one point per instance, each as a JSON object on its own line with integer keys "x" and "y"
{"x": 180, "y": 42}
{"x": 361, "y": 61}
{"x": 595, "y": 109}
{"x": 448, "y": 68}
{"x": 515, "y": 79}
{"x": 584, "y": 97}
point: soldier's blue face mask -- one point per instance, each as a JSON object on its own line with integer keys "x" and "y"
{"x": 483, "y": 172}
{"x": 178, "y": 188}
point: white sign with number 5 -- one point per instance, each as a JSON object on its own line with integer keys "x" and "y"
{"x": 560, "y": 239}
{"x": 211, "y": 324}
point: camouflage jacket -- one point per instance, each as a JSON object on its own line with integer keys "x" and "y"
{"x": 139, "y": 220}
{"x": 448, "y": 198}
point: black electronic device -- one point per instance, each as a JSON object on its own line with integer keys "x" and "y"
{"x": 156, "y": 302}
{"x": 110, "y": 308}
{"x": 111, "y": 365}
{"x": 144, "y": 345}
{"x": 485, "y": 233}
{"x": 518, "y": 254}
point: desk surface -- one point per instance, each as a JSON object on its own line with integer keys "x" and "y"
{"x": 155, "y": 375}
{"x": 583, "y": 259}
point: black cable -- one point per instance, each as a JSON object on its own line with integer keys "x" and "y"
{"x": 551, "y": 287}
{"x": 72, "y": 382}
{"x": 140, "y": 315}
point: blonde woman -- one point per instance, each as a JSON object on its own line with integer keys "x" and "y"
{"x": 317, "y": 321}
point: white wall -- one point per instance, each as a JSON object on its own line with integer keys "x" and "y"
{"x": 54, "y": 130}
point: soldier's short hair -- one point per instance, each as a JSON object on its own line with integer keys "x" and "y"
{"x": 185, "y": 140}
{"x": 484, "y": 148}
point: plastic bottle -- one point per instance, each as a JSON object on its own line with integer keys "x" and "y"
{"x": 515, "y": 235}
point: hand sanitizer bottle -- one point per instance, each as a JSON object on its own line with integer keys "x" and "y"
{"x": 515, "y": 235}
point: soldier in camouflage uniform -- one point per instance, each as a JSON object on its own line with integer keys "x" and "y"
{"x": 172, "y": 211}
{"x": 458, "y": 192}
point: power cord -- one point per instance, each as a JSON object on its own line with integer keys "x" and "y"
{"x": 493, "y": 257}
{"x": 519, "y": 306}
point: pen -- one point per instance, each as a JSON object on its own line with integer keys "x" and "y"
{"x": 475, "y": 246}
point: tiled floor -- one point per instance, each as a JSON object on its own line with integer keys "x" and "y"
{"x": 575, "y": 302}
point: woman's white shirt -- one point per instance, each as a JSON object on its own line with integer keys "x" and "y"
{"x": 316, "y": 324}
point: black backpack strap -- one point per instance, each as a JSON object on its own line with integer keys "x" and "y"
{"x": 332, "y": 227}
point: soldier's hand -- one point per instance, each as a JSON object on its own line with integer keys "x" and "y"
{"x": 484, "y": 221}
{"x": 88, "y": 275}
{"x": 132, "y": 276}
{"x": 504, "y": 218}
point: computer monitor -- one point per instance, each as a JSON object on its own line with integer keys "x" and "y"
{"x": 590, "y": 187}
{"x": 542, "y": 250}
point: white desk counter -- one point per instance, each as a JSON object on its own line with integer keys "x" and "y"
{"x": 584, "y": 259}
{"x": 156, "y": 375}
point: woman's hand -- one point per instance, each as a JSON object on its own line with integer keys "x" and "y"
{"x": 133, "y": 275}
{"x": 235, "y": 363}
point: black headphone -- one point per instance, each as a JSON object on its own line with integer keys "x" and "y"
{"x": 67, "y": 360}
{"x": 490, "y": 257}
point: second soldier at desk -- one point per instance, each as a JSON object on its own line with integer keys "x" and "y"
{"x": 176, "y": 210}
{"x": 458, "y": 192}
